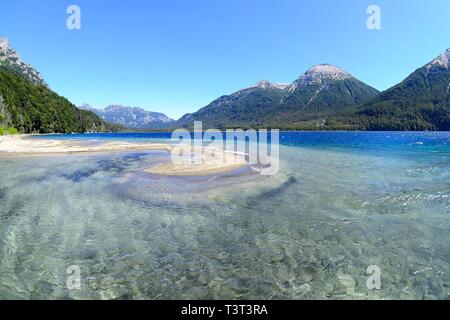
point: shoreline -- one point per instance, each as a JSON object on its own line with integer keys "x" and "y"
{"x": 22, "y": 146}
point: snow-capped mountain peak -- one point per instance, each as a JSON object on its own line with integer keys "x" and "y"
{"x": 4, "y": 44}
{"x": 264, "y": 84}
{"x": 10, "y": 58}
{"x": 320, "y": 74}
{"x": 330, "y": 71}
{"x": 442, "y": 60}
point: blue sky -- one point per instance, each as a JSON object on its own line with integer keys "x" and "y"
{"x": 177, "y": 56}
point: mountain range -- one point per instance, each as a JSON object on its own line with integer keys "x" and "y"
{"x": 321, "y": 92}
{"x": 131, "y": 117}
{"x": 29, "y": 105}
{"x": 325, "y": 97}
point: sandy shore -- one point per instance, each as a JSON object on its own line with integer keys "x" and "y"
{"x": 211, "y": 161}
{"x": 221, "y": 162}
{"x": 22, "y": 145}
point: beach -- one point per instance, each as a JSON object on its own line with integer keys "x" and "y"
{"x": 213, "y": 161}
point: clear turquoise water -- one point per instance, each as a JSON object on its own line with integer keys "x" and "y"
{"x": 341, "y": 202}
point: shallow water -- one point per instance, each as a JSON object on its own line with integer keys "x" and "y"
{"x": 340, "y": 203}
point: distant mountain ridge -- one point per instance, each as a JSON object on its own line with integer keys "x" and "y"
{"x": 131, "y": 117}
{"x": 320, "y": 92}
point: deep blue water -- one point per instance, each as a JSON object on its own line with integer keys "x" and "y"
{"x": 392, "y": 144}
{"x": 344, "y": 139}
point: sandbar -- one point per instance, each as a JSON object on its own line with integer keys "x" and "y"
{"x": 221, "y": 162}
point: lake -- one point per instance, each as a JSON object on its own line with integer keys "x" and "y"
{"x": 341, "y": 202}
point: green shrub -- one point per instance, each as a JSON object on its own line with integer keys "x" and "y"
{"x": 12, "y": 131}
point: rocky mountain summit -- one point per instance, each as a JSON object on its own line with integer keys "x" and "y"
{"x": 320, "y": 74}
{"x": 264, "y": 84}
{"x": 442, "y": 60}
{"x": 10, "y": 58}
